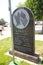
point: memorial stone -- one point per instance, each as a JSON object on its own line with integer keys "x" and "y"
{"x": 23, "y": 30}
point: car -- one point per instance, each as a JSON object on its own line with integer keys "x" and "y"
{"x": 38, "y": 22}
{"x": 35, "y": 23}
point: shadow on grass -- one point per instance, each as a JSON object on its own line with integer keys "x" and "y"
{"x": 5, "y": 63}
{"x": 2, "y": 63}
{"x": 39, "y": 33}
{"x": 42, "y": 62}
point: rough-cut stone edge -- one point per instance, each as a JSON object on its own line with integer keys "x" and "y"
{"x": 33, "y": 58}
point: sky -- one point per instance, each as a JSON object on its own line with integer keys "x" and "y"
{"x": 4, "y": 8}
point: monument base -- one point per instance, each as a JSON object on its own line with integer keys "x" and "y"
{"x": 33, "y": 58}
{"x": 11, "y": 63}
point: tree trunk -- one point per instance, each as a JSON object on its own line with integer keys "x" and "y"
{"x": 42, "y": 23}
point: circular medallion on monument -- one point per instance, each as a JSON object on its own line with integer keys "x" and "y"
{"x": 21, "y": 18}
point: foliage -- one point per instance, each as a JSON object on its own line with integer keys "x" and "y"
{"x": 36, "y": 6}
{"x": 2, "y": 21}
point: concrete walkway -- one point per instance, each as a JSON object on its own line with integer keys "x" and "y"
{"x": 6, "y": 33}
{"x": 39, "y": 37}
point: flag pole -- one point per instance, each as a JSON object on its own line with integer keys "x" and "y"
{"x": 12, "y": 63}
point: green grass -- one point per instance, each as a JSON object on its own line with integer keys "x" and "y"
{"x": 39, "y": 47}
{"x": 6, "y": 44}
{"x": 4, "y": 60}
{"x": 38, "y": 34}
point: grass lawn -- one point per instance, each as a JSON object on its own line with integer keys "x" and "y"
{"x": 39, "y": 47}
{"x": 6, "y": 44}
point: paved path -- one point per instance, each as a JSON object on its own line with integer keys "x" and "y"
{"x": 39, "y": 37}
{"x": 6, "y": 33}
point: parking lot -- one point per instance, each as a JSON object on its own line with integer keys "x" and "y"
{"x": 38, "y": 28}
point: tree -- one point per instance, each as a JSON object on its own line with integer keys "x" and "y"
{"x": 37, "y": 7}
{"x": 40, "y": 6}
{"x": 32, "y": 4}
{"x": 2, "y": 21}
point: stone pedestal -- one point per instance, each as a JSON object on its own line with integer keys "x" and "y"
{"x": 33, "y": 58}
